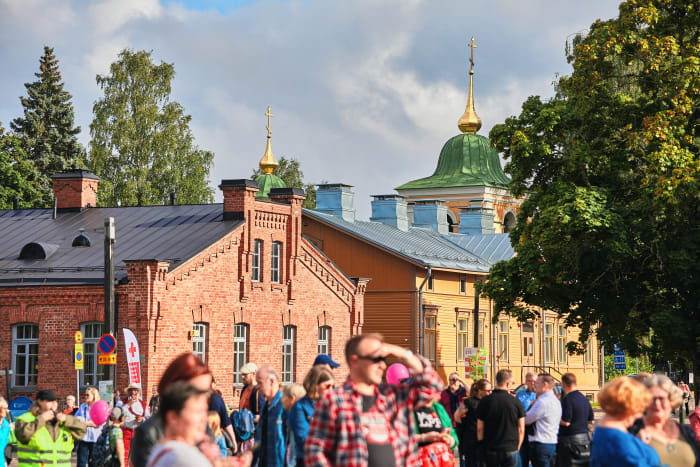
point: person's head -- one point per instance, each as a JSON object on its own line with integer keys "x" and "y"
{"x": 3, "y": 408}
{"x": 92, "y": 395}
{"x": 454, "y": 381}
{"x": 154, "y": 391}
{"x": 317, "y": 381}
{"x": 624, "y": 399}
{"x": 665, "y": 396}
{"x": 326, "y": 361}
{"x": 70, "y": 401}
{"x": 480, "y": 389}
{"x": 504, "y": 379}
{"x": 186, "y": 367}
{"x": 183, "y": 412}
{"x": 544, "y": 383}
{"x": 47, "y": 400}
{"x": 214, "y": 422}
{"x": 530, "y": 381}
{"x": 568, "y": 383}
{"x": 363, "y": 355}
{"x": 292, "y": 393}
{"x": 248, "y": 373}
{"x": 268, "y": 381}
{"x": 133, "y": 392}
{"x": 116, "y": 416}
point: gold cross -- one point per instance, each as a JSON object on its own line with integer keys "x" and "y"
{"x": 269, "y": 114}
{"x": 471, "y": 59}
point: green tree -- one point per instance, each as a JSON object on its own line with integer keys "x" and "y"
{"x": 47, "y": 130}
{"x": 608, "y": 235}
{"x": 290, "y": 171}
{"x": 634, "y": 365}
{"x": 142, "y": 145}
{"x": 18, "y": 175}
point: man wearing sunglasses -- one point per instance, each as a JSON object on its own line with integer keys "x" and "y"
{"x": 365, "y": 422}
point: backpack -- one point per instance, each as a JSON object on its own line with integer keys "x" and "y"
{"x": 102, "y": 455}
{"x": 243, "y": 423}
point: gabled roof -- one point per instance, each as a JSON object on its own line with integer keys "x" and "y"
{"x": 167, "y": 233}
{"x": 491, "y": 247}
{"x": 424, "y": 247}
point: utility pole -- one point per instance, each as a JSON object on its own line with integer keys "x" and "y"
{"x": 109, "y": 323}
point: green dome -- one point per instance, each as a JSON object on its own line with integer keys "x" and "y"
{"x": 267, "y": 182}
{"x": 465, "y": 160}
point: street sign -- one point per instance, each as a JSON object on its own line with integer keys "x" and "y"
{"x": 110, "y": 359}
{"x": 79, "y": 360}
{"x": 619, "y": 359}
{"x": 107, "y": 344}
{"x": 78, "y": 337}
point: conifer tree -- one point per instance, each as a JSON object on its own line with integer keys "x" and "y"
{"x": 46, "y": 131}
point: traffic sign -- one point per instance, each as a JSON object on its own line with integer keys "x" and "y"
{"x": 107, "y": 344}
{"x": 79, "y": 360}
{"x": 78, "y": 337}
{"x": 110, "y": 359}
{"x": 619, "y": 359}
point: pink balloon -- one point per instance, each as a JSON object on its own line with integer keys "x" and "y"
{"x": 395, "y": 373}
{"x": 99, "y": 412}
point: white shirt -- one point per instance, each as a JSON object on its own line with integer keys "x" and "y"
{"x": 546, "y": 411}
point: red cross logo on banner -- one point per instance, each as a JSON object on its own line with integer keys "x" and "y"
{"x": 134, "y": 373}
{"x": 132, "y": 350}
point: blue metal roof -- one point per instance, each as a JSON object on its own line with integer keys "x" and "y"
{"x": 167, "y": 233}
{"x": 424, "y": 246}
{"x": 491, "y": 247}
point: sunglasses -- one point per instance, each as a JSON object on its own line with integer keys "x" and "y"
{"x": 372, "y": 359}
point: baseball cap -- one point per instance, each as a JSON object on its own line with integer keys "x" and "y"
{"x": 46, "y": 395}
{"x": 324, "y": 359}
{"x": 248, "y": 368}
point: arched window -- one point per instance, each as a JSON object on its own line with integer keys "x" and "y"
{"x": 508, "y": 222}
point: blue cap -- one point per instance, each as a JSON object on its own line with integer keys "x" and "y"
{"x": 324, "y": 359}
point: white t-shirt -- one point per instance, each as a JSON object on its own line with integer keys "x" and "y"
{"x": 176, "y": 454}
{"x": 132, "y": 411}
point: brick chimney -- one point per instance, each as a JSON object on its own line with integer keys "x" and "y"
{"x": 75, "y": 190}
{"x": 239, "y": 198}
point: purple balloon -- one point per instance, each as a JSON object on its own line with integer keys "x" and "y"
{"x": 99, "y": 412}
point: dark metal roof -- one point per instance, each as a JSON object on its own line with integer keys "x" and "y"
{"x": 167, "y": 233}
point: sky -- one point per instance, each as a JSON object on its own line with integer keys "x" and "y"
{"x": 364, "y": 92}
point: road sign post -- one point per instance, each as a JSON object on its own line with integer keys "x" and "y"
{"x": 79, "y": 360}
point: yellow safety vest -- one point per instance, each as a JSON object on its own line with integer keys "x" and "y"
{"x": 42, "y": 450}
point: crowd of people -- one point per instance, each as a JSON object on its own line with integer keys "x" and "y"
{"x": 379, "y": 416}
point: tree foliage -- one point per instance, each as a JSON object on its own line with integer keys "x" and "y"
{"x": 608, "y": 234}
{"x": 18, "y": 176}
{"x": 46, "y": 131}
{"x": 290, "y": 171}
{"x": 142, "y": 145}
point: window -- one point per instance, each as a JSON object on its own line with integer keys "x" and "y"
{"x": 288, "y": 335}
{"x": 503, "y": 340}
{"x": 562, "y": 344}
{"x": 479, "y": 335}
{"x": 462, "y": 285}
{"x": 199, "y": 340}
{"x": 461, "y": 337}
{"x": 91, "y": 373}
{"x": 588, "y": 353}
{"x": 25, "y": 350}
{"x": 275, "y": 266}
{"x": 528, "y": 347}
{"x": 240, "y": 350}
{"x": 549, "y": 343}
{"x": 324, "y": 340}
{"x": 257, "y": 252}
{"x": 429, "y": 338}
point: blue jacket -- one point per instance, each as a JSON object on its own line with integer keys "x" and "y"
{"x": 4, "y": 437}
{"x": 299, "y": 417}
{"x": 272, "y": 447}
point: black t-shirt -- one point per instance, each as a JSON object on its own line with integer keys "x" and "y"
{"x": 467, "y": 432}
{"x": 427, "y": 420}
{"x": 376, "y": 428}
{"x": 576, "y": 410}
{"x": 500, "y": 412}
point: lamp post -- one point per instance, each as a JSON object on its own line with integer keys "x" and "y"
{"x": 109, "y": 322}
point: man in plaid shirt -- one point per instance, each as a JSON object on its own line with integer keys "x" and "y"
{"x": 364, "y": 423}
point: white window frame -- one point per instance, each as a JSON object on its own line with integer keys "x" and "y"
{"x": 479, "y": 337}
{"x": 588, "y": 353}
{"x": 275, "y": 262}
{"x": 462, "y": 337}
{"x": 92, "y": 331}
{"x": 324, "y": 340}
{"x": 200, "y": 339}
{"x": 256, "y": 272}
{"x": 503, "y": 340}
{"x": 28, "y": 372}
{"x": 430, "y": 337}
{"x": 563, "y": 354}
{"x": 240, "y": 350}
{"x": 288, "y": 357}
{"x": 548, "y": 342}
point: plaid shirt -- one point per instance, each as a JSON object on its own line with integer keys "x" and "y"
{"x": 335, "y": 437}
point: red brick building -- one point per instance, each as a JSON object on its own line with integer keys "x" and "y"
{"x": 235, "y": 282}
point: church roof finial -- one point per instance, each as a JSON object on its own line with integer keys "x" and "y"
{"x": 470, "y": 122}
{"x": 268, "y": 164}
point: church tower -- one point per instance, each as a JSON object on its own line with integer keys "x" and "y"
{"x": 267, "y": 180}
{"x": 468, "y": 179}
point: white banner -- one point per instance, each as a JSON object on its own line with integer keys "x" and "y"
{"x": 133, "y": 358}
